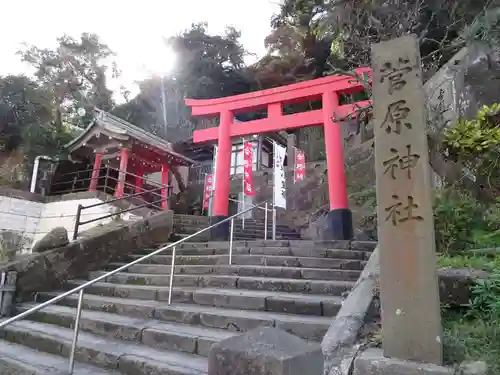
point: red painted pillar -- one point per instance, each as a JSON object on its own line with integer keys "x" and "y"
{"x": 139, "y": 181}
{"x": 164, "y": 190}
{"x": 122, "y": 175}
{"x": 339, "y": 219}
{"x": 95, "y": 171}
{"x": 222, "y": 172}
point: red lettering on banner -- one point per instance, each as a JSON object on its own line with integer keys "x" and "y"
{"x": 300, "y": 166}
{"x": 207, "y": 191}
{"x": 247, "y": 171}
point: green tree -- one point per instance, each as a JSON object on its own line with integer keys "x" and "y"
{"x": 210, "y": 66}
{"x": 75, "y": 75}
{"x": 22, "y": 104}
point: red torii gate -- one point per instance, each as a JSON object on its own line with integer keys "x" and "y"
{"x": 327, "y": 90}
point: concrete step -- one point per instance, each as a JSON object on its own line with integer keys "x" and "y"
{"x": 231, "y": 282}
{"x": 281, "y": 302}
{"x": 291, "y": 303}
{"x": 244, "y": 236}
{"x": 271, "y": 250}
{"x": 19, "y": 360}
{"x": 237, "y": 225}
{"x": 239, "y": 270}
{"x": 151, "y": 332}
{"x": 127, "y": 357}
{"x": 256, "y": 260}
{"x": 234, "y": 320}
{"x": 345, "y": 245}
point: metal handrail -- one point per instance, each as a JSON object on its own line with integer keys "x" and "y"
{"x": 80, "y": 208}
{"x": 144, "y": 179}
{"x": 80, "y": 289}
{"x": 265, "y": 208}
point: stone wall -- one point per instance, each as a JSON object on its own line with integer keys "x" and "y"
{"x": 97, "y": 248}
{"x": 32, "y": 216}
{"x": 462, "y": 86}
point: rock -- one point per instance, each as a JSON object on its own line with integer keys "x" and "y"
{"x": 57, "y": 237}
{"x": 95, "y": 249}
{"x": 373, "y": 362}
{"x": 473, "y": 368}
{"x": 455, "y": 284}
{"x": 362, "y": 235}
{"x": 265, "y": 351}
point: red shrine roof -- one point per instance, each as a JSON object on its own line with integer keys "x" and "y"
{"x": 109, "y": 133}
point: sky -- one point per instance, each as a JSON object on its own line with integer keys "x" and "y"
{"x": 133, "y": 29}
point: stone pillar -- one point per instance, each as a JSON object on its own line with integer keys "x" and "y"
{"x": 338, "y": 222}
{"x": 164, "y": 183}
{"x": 265, "y": 351}
{"x": 95, "y": 171}
{"x": 411, "y": 317}
{"x": 222, "y": 177}
{"x": 122, "y": 175}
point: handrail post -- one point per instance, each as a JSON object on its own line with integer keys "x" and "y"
{"x": 231, "y": 241}
{"x": 265, "y": 222}
{"x": 75, "y": 333}
{"x": 172, "y": 267}
{"x": 77, "y": 221}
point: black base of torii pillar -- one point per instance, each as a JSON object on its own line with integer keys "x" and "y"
{"x": 337, "y": 225}
{"x": 221, "y": 231}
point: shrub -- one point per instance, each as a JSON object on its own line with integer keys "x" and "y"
{"x": 457, "y": 217}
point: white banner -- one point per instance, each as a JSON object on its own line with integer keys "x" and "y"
{"x": 279, "y": 176}
{"x": 214, "y": 167}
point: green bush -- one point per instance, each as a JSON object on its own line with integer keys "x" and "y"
{"x": 457, "y": 219}
{"x": 475, "y": 335}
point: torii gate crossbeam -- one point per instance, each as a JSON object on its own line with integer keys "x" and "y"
{"x": 327, "y": 89}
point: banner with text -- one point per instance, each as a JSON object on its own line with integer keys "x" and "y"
{"x": 279, "y": 176}
{"x": 300, "y": 166}
{"x": 248, "y": 187}
{"x": 207, "y": 191}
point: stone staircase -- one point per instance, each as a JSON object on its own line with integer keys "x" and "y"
{"x": 128, "y": 328}
{"x": 185, "y": 225}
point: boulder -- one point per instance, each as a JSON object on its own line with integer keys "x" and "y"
{"x": 455, "y": 284}
{"x": 265, "y": 351}
{"x": 57, "y": 237}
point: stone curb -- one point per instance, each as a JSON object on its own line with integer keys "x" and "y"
{"x": 338, "y": 345}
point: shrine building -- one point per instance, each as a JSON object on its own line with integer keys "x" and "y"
{"x": 116, "y": 157}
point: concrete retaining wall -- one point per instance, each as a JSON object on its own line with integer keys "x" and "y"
{"x": 32, "y": 217}
{"x": 97, "y": 248}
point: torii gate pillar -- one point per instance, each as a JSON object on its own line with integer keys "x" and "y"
{"x": 338, "y": 225}
{"x": 338, "y": 221}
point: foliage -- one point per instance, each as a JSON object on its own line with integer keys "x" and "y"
{"x": 470, "y": 138}
{"x": 467, "y": 260}
{"x": 22, "y": 103}
{"x": 462, "y": 222}
{"x": 212, "y": 67}
{"x": 474, "y": 334}
{"x": 473, "y": 144}
{"x": 468, "y": 339}
{"x": 75, "y": 75}
{"x": 456, "y": 217}
{"x": 366, "y": 198}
